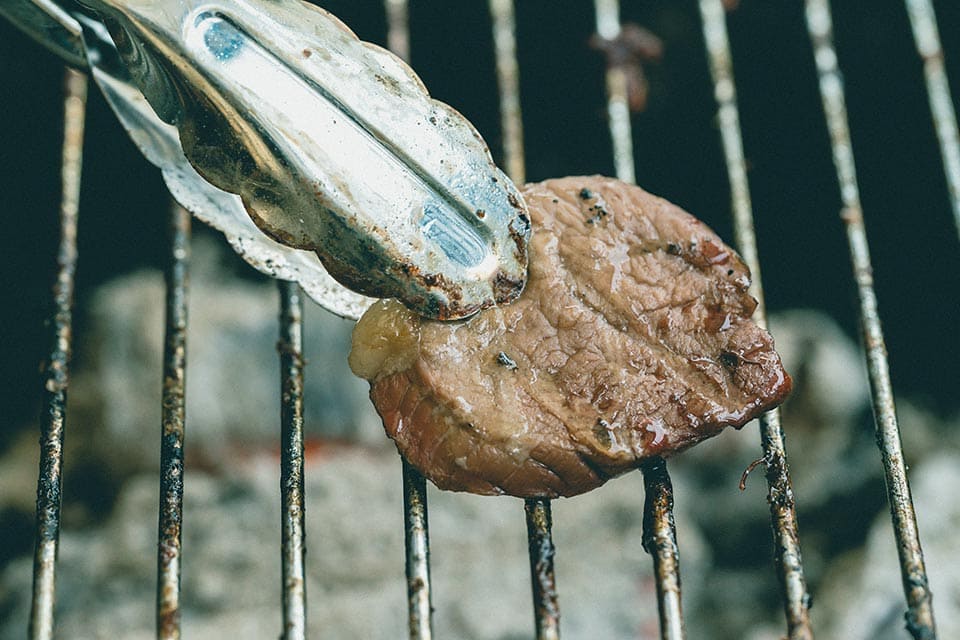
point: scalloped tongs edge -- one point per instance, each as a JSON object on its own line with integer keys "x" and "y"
{"x": 314, "y": 147}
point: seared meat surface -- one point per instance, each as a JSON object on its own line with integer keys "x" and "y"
{"x": 632, "y": 339}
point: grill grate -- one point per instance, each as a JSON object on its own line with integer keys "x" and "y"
{"x": 659, "y": 537}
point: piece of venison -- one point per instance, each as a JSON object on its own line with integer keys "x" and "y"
{"x": 632, "y": 339}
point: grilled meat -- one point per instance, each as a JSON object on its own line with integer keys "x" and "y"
{"x": 632, "y": 339}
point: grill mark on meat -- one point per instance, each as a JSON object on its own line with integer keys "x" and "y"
{"x": 571, "y": 433}
{"x": 667, "y": 352}
{"x": 569, "y": 278}
{"x": 507, "y": 481}
{"x": 599, "y": 474}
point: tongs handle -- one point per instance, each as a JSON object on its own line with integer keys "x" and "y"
{"x": 50, "y": 25}
{"x": 333, "y": 145}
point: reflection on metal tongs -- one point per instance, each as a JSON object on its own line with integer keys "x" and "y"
{"x": 330, "y": 146}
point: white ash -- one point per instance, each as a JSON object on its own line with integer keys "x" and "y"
{"x": 356, "y": 588}
{"x": 862, "y": 597}
{"x": 233, "y": 377}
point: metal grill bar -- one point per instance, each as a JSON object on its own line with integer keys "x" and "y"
{"x": 417, "y": 541}
{"x": 545, "y": 605}
{"x": 173, "y": 428}
{"x": 780, "y": 490}
{"x": 56, "y": 368}
{"x": 923, "y": 21}
{"x": 293, "y": 502}
{"x": 919, "y": 615}
{"x": 618, "y": 108}
{"x": 398, "y": 28}
{"x": 660, "y": 541}
{"x": 508, "y": 81}
{"x": 658, "y": 520}
{"x": 415, "y": 520}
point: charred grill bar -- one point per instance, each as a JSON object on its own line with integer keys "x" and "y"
{"x": 56, "y": 368}
{"x": 660, "y": 541}
{"x": 919, "y": 615}
{"x": 545, "y": 606}
{"x": 169, "y": 557}
{"x": 796, "y": 600}
{"x": 415, "y": 523}
{"x": 658, "y": 521}
{"x": 417, "y": 541}
{"x": 293, "y": 544}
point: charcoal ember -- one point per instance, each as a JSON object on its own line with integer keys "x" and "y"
{"x": 632, "y": 339}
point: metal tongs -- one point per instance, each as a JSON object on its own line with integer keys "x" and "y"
{"x": 319, "y": 154}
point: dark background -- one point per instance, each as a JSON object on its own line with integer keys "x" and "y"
{"x": 802, "y": 244}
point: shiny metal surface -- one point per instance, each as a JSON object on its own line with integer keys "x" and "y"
{"x": 159, "y": 143}
{"x": 50, "y": 25}
{"x": 333, "y": 145}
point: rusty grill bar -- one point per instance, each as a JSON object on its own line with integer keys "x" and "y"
{"x": 416, "y": 531}
{"x": 56, "y": 369}
{"x": 508, "y": 82}
{"x": 293, "y": 502}
{"x": 660, "y": 541}
{"x": 796, "y": 600}
{"x": 924, "y": 24}
{"x": 618, "y": 110}
{"x": 173, "y": 428}
{"x": 919, "y": 615}
{"x": 417, "y": 542}
{"x": 546, "y": 608}
{"x": 659, "y": 536}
